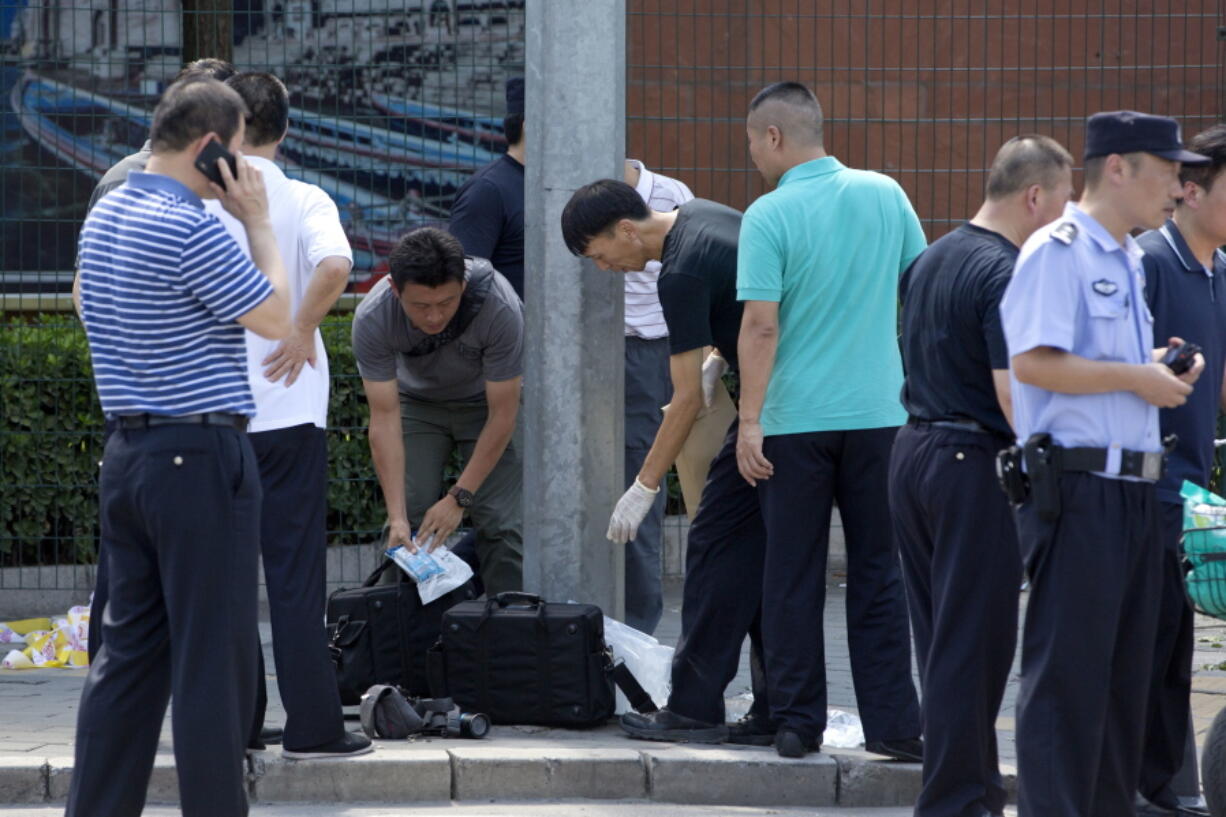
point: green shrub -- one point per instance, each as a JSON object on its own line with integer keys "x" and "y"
{"x": 51, "y": 442}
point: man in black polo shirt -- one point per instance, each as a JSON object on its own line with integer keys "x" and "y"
{"x": 1187, "y": 296}
{"x": 696, "y": 244}
{"x": 488, "y": 214}
{"x": 955, "y": 531}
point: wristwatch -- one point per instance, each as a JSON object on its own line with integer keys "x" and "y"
{"x": 462, "y": 497}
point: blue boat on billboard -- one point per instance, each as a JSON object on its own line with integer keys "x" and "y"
{"x": 395, "y": 103}
{"x": 92, "y": 132}
{"x": 449, "y": 124}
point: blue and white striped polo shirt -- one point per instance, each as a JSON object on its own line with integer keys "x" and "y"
{"x": 162, "y": 284}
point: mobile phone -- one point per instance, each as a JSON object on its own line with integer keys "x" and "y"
{"x": 206, "y": 162}
{"x": 1180, "y": 358}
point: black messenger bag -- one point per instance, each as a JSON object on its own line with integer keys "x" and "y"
{"x": 379, "y": 634}
{"x": 522, "y": 660}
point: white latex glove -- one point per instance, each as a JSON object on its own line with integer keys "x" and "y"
{"x": 630, "y": 512}
{"x": 713, "y": 369}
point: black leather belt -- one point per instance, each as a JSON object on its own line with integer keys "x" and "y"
{"x": 955, "y": 425}
{"x": 212, "y": 418}
{"x": 1145, "y": 464}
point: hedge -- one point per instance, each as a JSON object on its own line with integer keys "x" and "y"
{"x": 51, "y": 442}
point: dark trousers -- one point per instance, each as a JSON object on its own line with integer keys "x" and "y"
{"x": 812, "y": 471}
{"x": 432, "y": 432}
{"x": 1087, "y": 647}
{"x": 293, "y": 464}
{"x": 648, "y": 388}
{"x": 180, "y": 508}
{"x": 722, "y": 597}
{"x": 962, "y": 569}
{"x": 97, "y": 603}
{"x": 1168, "y": 765}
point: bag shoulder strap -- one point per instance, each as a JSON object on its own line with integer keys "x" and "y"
{"x": 639, "y": 700}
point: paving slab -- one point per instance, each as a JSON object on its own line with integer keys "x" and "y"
{"x": 740, "y": 776}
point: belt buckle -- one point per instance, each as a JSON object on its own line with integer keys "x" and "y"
{"x": 1151, "y": 465}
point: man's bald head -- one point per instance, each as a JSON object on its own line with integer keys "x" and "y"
{"x": 790, "y": 107}
{"x": 1027, "y": 160}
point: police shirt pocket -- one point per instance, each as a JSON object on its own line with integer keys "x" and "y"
{"x": 1109, "y": 326}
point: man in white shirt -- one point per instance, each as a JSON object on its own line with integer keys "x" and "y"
{"x": 289, "y": 379}
{"x": 648, "y": 388}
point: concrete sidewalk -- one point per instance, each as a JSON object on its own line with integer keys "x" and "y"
{"x": 38, "y": 711}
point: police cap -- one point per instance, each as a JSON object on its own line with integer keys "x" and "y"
{"x": 1133, "y": 132}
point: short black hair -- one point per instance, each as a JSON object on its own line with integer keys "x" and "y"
{"x": 206, "y": 68}
{"x": 427, "y": 256}
{"x": 595, "y": 208}
{"x": 1093, "y": 167}
{"x": 1211, "y": 143}
{"x": 192, "y": 108}
{"x": 797, "y": 96}
{"x": 267, "y": 102}
{"x": 1025, "y": 160}
{"x": 513, "y": 128}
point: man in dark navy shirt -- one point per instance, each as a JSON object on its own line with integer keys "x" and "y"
{"x": 696, "y": 244}
{"x": 953, "y": 524}
{"x": 1187, "y": 296}
{"x": 488, "y": 213}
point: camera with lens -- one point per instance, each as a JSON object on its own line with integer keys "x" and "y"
{"x": 387, "y": 714}
{"x": 442, "y": 717}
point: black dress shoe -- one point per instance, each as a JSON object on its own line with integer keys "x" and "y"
{"x": 752, "y": 730}
{"x": 1166, "y": 808}
{"x": 909, "y": 749}
{"x": 669, "y": 726}
{"x": 790, "y": 743}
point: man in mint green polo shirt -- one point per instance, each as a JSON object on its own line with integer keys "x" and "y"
{"x": 818, "y": 265}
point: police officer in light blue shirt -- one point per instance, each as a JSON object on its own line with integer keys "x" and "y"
{"x": 1087, "y": 385}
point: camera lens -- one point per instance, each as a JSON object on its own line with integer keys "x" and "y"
{"x": 474, "y": 725}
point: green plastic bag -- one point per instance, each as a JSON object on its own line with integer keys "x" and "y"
{"x": 1204, "y": 546}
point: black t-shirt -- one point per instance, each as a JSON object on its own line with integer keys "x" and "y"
{"x": 698, "y": 279}
{"x": 951, "y": 329}
{"x": 488, "y": 218}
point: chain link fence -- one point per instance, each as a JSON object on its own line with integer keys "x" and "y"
{"x": 395, "y": 103}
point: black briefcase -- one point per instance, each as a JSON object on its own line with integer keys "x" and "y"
{"x": 380, "y": 633}
{"x": 519, "y": 659}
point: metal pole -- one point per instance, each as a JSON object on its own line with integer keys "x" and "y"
{"x": 573, "y": 407}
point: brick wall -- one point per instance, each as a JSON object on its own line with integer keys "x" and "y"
{"x": 923, "y": 90}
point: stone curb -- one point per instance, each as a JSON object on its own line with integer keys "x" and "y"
{"x": 462, "y": 771}
{"x": 718, "y": 776}
{"x": 22, "y": 781}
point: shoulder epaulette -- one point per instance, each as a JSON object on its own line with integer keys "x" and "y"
{"x": 1065, "y": 232}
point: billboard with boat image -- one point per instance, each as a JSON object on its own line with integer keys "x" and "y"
{"x": 394, "y": 105}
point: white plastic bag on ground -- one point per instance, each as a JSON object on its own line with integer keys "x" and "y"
{"x": 843, "y": 730}
{"x": 650, "y": 661}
